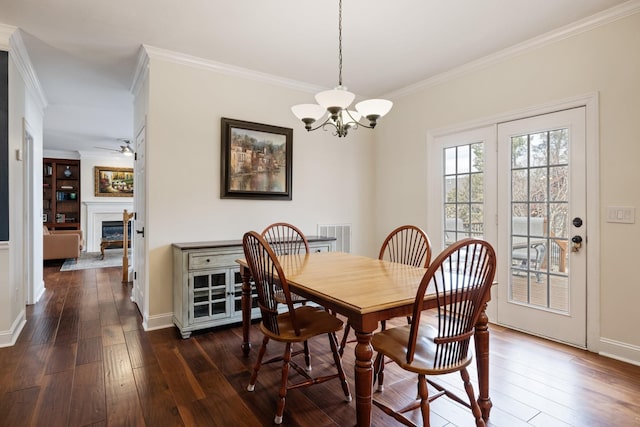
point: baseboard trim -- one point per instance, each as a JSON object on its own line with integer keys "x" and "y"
{"x": 9, "y": 337}
{"x": 620, "y": 351}
{"x": 39, "y": 292}
{"x": 159, "y": 321}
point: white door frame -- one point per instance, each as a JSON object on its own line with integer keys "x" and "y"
{"x": 591, "y": 103}
{"x": 140, "y": 292}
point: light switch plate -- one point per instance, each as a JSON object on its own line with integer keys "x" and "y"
{"x": 621, "y": 214}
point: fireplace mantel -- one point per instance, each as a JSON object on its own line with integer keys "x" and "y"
{"x": 98, "y": 211}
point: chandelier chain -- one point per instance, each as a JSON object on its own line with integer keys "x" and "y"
{"x": 340, "y": 43}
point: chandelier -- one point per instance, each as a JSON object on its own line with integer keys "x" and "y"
{"x": 336, "y": 103}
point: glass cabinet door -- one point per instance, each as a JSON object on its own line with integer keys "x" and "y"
{"x": 237, "y": 292}
{"x": 209, "y": 299}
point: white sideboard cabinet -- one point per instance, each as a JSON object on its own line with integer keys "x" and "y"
{"x": 207, "y": 287}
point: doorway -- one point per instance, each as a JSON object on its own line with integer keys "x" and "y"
{"x": 539, "y": 273}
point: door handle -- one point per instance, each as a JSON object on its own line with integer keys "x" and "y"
{"x": 577, "y": 243}
{"x": 140, "y": 231}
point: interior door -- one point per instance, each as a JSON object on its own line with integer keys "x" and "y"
{"x": 541, "y": 217}
{"x": 139, "y": 262}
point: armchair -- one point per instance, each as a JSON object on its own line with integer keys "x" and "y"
{"x": 61, "y": 244}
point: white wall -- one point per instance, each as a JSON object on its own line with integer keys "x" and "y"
{"x": 332, "y": 177}
{"x": 88, "y": 162}
{"x": 23, "y": 104}
{"x": 605, "y": 60}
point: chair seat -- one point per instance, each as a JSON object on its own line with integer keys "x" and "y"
{"x": 312, "y": 321}
{"x": 295, "y": 298}
{"x": 393, "y": 344}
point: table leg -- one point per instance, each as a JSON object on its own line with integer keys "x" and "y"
{"x": 482, "y": 360}
{"x": 363, "y": 378}
{"x": 246, "y": 310}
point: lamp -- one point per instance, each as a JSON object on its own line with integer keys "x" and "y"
{"x": 126, "y": 150}
{"x": 336, "y": 102}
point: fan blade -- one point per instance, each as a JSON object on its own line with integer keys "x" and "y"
{"x": 108, "y": 149}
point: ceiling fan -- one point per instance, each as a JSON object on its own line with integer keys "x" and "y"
{"x": 124, "y": 149}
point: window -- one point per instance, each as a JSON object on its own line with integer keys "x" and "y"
{"x": 463, "y": 192}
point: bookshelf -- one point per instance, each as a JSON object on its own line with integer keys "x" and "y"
{"x": 61, "y": 194}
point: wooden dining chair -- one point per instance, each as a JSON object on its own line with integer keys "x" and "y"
{"x": 287, "y": 239}
{"x": 461, "y": 276}
{"x": 409, "y": 245}
{"x": 293, "y": 325}
{"x": 406, "y": 244}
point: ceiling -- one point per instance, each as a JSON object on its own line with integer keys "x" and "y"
{"x": 85, "y": 52}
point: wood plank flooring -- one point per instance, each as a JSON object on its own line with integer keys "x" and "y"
{"x": 84, "y": 360}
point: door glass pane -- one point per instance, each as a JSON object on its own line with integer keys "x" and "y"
{"x": 201, "y": 282}
{"x": 464, "y": 157}
{"x": 559, "y": 147}
{"x": 477, "y": 185}
{"x": 558, "y": 183}
{"x": 463, "y": 192}
{"x": 539, "y": 227}
{"x": 538, "y": 149}
{"x": 519, "y": 152}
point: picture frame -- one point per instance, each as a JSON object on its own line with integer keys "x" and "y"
{"x": 256, "y": 161}
{"x": 113, "y": 182}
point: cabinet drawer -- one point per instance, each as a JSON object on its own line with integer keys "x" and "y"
{"x": 200, "y": 261}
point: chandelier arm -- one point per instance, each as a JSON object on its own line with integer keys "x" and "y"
{"x": 356, "y": 123}
{"x": 323, "y": 124}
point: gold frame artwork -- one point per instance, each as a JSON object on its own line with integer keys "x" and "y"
{"x": 113, "y": 182}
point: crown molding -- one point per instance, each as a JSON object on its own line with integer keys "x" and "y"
{"x": 60, "y": 154}
{"x": 20, "y": 56}
{"x": 142, "y": 71}
{"x": 5, "y": 34}
{"x": 232, "y": 70}
{"x": 587, "y": 24}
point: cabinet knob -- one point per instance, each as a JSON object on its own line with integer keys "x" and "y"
{"x": 208, "y": 260}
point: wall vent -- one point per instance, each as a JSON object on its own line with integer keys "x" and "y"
{"x": 342, "y": 233}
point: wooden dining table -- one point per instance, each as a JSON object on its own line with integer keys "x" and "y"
{"x": 366, "y": 291}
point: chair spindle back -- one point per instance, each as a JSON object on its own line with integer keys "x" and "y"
{"x": 462, "y": 276}
{"x": 285, "y": 239}
{"x": 269, "y": 278}
{"x": 407, "y": 244}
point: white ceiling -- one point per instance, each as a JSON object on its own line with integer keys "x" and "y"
{"x": 85, "y": 52}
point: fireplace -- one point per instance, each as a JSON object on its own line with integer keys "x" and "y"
{"x": 99, "y": 212}
{"x": 113, "y": 230}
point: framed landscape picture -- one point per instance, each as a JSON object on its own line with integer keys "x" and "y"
{"x": 256, "y": 161}
{"x": 113, "y": 182}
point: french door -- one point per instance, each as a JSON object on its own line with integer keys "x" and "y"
{"x": 542, "y": 216}
{"x": 521, "y": 186}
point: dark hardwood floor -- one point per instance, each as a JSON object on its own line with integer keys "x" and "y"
{"x": 83, "y": 359}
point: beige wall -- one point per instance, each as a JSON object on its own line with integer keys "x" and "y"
{"x": 331, "y": 176}
{"x": 604, "y": 60}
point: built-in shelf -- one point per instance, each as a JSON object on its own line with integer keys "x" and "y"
{"x": 61, "y": 193}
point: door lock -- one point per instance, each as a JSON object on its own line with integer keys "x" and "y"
{"x": 577, "y": 243}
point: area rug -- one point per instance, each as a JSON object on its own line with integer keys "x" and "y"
{"x": 112, "y": 258}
